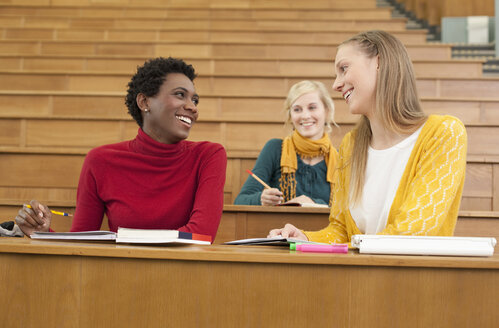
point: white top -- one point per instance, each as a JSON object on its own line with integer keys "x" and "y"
{"x": 383, "y": 173}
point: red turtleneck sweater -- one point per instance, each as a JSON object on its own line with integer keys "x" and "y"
{"x": 145, "y": 184}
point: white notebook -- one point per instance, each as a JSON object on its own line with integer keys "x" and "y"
{"x": 424, "y": 245}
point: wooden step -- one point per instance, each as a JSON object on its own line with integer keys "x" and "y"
{"x": 200, "y": 50}
{"x": 50, "y": 175}
{"x": 256, "y": 108}
{"x": 279, "y": 35}
{"x": 227, "y": 84}
{"x": 128, "y": 12}
{"x": 85, "y": 28}
{"x": 241, "y": 66}
{"x": 234, "y": 135}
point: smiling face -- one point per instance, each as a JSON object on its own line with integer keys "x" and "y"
{"x": 308, "y": 115}
{"x": 172, "y": 112}
{"x": 356, "y": 76}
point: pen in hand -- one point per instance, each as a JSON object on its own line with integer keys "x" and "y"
{"x": 54, "y": 212}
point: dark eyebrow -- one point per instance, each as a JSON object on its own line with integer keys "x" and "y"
{"x": 185, "y": 90}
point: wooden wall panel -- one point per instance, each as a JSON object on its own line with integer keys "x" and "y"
{"x": 481, "y": 140}
{"x": 24, "y": 105}
{"x": 63, "y": 133}
{"x": 90, "y": 106}
{"x": 433, "y": 10}
{"x": 478, "y": 181}
{"x": 50, "y": 195}
{"x": 495, "y": 190}
{"x": 10, "y": 132}
{"x": 19, "y": 48}
{"x": 31, "y": 170}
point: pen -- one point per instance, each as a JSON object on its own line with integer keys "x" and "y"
{"x": 258, "y": 179}
{"x": 55, "y": 212}
{"x": 335, "y": 248}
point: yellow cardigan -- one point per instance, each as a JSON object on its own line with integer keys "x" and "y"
{"x": 428, "y": 197}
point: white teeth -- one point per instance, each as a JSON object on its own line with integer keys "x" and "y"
{"x": 184, "y": 119}
{"x": 347, "y": 94}
{"x": 307, "y": 123}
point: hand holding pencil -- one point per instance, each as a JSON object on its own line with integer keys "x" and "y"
{"x": 270, "y": 196}
{"x": 34, "y": 217}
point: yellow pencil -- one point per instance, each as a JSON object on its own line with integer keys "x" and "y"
{"x": 258, "y": 179}
{"x": 55, "y": 212}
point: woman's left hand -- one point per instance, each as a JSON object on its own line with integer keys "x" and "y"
{"x": 301, "y": 199}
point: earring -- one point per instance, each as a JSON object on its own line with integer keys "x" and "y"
{"x": 146, "y": 110}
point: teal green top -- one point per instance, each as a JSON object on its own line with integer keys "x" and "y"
{"x": 310, "y": 179}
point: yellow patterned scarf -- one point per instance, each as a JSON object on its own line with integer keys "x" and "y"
{"x": 306, "y": 148}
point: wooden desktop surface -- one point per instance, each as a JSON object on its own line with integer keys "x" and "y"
{"x": 80, "y": 284}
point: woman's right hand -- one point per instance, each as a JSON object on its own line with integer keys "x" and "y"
{"x": 271, "y": 197}
{"x": 36, "y": 218}
{"x": 289, "y": 231}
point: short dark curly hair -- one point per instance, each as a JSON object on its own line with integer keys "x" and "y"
{"x": 150, "y": 77}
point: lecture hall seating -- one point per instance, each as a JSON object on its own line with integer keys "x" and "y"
{"x": 64, "y": 68}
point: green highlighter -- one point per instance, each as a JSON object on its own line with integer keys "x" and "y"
{"x": 292, "y": 246}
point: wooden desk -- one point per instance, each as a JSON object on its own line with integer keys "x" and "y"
{"x": 66, "y": 284}
{"x": 240, "y": 221}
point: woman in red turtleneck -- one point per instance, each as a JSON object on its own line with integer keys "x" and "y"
{"x": 158, "y": 180}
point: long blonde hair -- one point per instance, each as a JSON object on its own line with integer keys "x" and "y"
{"x": 397, "y": 101}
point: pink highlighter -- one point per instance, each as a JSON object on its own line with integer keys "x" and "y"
{"x": 336, "y": 248}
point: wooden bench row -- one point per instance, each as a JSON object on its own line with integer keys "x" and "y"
{"x": 277, "y": 36}
{"x": 340, "y": 10}
{"x": 209, "y": 50}
{"x": 51, "y": 176}
{"x": 233, "y": 134}
{"x": 64, "y": 26}
{"x": 233, "y": 84}
{"x": 241, "y": 66}
{"x": 230, "y": 108}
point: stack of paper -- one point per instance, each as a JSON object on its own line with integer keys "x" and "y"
{"x": 125, "y": 235}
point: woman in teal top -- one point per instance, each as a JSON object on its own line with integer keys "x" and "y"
{"x": 299, "y": 168}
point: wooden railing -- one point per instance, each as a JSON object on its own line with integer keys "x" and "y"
{"x": 433, "y": 10}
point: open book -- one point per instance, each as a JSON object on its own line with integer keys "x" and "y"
{"x": 303, "y": 204}
{"x": 126, "y": 235}
{"x": 280, "y": 241}
{"x": 424, "y": 245}
{"x": 81, "y": 235}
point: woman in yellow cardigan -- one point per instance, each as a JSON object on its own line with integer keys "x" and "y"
{"x": 399, "y": 171}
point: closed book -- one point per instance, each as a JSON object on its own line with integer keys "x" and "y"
{"x": 160, "y": 236}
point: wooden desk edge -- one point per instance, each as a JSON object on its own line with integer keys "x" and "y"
{"x": 226, "y": 253}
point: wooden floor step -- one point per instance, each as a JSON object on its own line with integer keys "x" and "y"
{"x": 278, "y": 35}
{"x": 233, "y": 134}
{"x": 49, "y": 175}
{"x": 241, "y": 66}
{"x": 227, "y": 84}
{"x": 146, "y": 27}
{"x": 128, "y": 11}
{"x": 233, "y": 107}
{"x": 200, "y": 49}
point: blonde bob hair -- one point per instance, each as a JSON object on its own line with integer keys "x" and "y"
{"x": 306, "y": 86}
{"x": 397, "y": 101}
